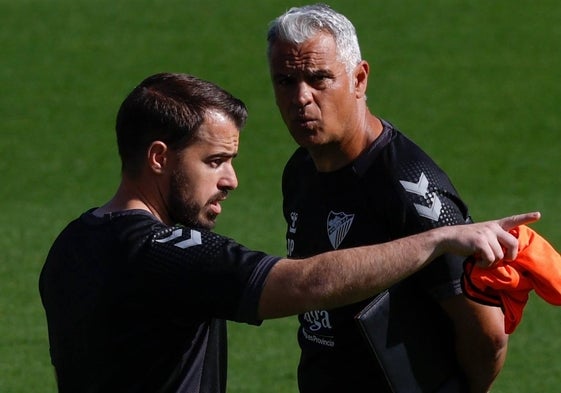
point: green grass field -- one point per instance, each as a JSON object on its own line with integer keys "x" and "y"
{"x": 476, "y": 83}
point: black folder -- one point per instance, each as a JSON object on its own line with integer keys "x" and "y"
{"x": 412, "y": 340}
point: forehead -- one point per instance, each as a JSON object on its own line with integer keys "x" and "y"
{"x": 320, "y": 51}
{"x": 217, "y": 132}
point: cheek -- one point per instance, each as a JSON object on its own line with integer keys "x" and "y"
{"x": 204, "y": 186}
{"x": 185, "y": 184}
{"x": 284, "y": 110}
{"x": 338, "y": 106}
{"x": 178, "y": 186}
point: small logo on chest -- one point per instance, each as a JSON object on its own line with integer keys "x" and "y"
{"x": 338, "y": 225}
{"x": 293, "y": 218}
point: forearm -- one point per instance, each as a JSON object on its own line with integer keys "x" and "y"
{"x": 481, "y": 367}
{"x": 481, "y": 343}
{"x": 346, "y": 276}
{"x": 342, "y": 277}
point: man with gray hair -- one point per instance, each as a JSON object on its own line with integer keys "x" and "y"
{"x": 356, "y": 180}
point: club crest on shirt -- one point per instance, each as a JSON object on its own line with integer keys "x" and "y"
{"x": 338, "y": 225}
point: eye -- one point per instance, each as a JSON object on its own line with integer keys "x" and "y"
{"x": 319, "y": 79}
{"x": 215, "y": 162}
{"x": 284, "y": 80}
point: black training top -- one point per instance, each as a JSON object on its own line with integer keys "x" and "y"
{"x": 392, "y": 190}
{"x": 134, "y": 305}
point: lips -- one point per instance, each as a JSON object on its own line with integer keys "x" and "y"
{"x": 216, "y": 208}
{"x": 214, "y": 204}
{"x": 305, "y": 122}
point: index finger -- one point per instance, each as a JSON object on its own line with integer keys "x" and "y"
{"x": 511, "y": 222}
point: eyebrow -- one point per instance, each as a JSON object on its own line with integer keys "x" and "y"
{"x": 322, "y": 72}
{"x": 223, "y": 155}
{"x": 307, "y": 73}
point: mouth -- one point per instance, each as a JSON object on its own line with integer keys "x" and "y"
{"x": 305, "y": 122}
{"x": 214, "y": 204}
{"x": 215, "y": 208}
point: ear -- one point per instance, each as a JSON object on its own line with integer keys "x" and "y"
{"x": 361, "y": 78}
{"x": 158, "y": 157}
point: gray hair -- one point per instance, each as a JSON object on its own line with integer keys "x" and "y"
{"x": 299, "y": 24}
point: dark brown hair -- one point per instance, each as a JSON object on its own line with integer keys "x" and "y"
{"x": 169, "y": 108}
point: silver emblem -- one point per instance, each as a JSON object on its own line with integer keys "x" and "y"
{"x": 338, "y": 225}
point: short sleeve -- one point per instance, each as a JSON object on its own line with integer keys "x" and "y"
{"x": 199, "y": 273}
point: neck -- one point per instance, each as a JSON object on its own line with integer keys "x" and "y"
{"x": 130, "y": 196}
{"x": 333, "y": 156}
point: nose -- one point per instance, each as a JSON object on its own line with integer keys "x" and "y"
{"x": 229, "y": 180}
{"x": 303, "y": 94}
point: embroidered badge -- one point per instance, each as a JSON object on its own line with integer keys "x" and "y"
{"x": 338, "y": 225}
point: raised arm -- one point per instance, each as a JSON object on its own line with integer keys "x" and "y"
{"x": 341, "y": 277}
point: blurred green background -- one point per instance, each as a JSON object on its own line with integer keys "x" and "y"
{"x": 475, "y": 83}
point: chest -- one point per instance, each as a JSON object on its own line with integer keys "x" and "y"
{"x": 323, "y": 216}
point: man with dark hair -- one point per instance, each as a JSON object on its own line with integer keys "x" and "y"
{"x": 137, "y": 291}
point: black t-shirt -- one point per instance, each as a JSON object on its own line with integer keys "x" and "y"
{"x": 134, "y": 305}
{"x": 392, "y": 190}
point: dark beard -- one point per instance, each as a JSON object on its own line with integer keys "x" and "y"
{"x": 182, "y": 213}
{"x": 188, "y": 213}
{"x": 179, "y": 211}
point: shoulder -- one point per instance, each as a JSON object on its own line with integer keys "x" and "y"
{"x": 299, "y": 168}
{"x": 180, "y": 239}
{"x": 408, "y": 160}
{"x": 299, "y": 159}
{"x": 422, "y": 185}
{"x": 405, "y": 149}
